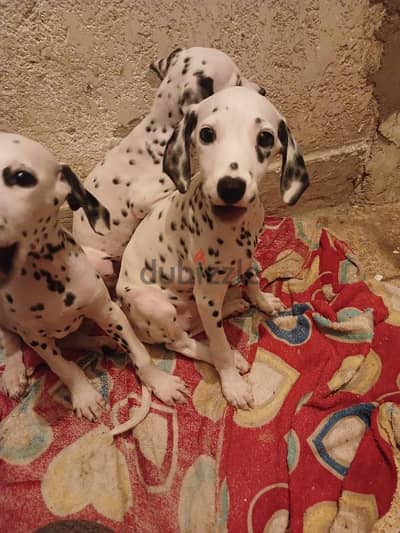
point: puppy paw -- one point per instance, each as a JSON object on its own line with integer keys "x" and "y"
{"x": 235, "y": 307}
{"x": 169, "y": 389}
{"x": 241, "y": 363}
{"x": 13, "y": 381}
{"x": 237, "y": 392}
{"x": 270, "y": 304}
{"x": 87, "y": 402}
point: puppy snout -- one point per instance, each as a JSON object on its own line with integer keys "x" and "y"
{"x": 231, "y": 190}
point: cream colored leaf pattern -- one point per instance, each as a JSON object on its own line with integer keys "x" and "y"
{"x": 91, "y": 471}
{"x": 152, "y": 435}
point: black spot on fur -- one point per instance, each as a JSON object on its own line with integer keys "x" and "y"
{"x": 69, "y": 299}
{"x": 37, "y": 307}
{"x": 205, "y": 83}
{"x": 52, "y": 284}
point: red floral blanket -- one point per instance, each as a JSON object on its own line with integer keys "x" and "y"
{"x": 315, "y": 455}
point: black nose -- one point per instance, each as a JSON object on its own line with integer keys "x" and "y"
{"x": 231, "y": 190}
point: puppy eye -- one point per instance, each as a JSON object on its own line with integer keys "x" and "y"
{"x": 265, "y": 139}
{"x": 207, "y": 135}
{"x": 25, "y": 179}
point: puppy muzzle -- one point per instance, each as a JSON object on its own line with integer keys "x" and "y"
{"x": 8, "y": 256}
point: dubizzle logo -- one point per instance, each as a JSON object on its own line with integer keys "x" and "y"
{"x": 199, "y": 257}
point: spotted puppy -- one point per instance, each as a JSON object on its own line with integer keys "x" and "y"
{"x": 130, "y": 179}
{"x": 183, "y": 256}
{"x": 47, "y": 285}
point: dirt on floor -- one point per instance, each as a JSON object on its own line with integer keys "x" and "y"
{"x": 373, "y": 232}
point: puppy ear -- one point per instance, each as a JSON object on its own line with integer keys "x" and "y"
{"x": 244, "y": 82}
{"x": 97, "y": 215}
{"x": 176, "y": 161}
{"x": 294, "y": 176}
{"x": 161, "y": 66}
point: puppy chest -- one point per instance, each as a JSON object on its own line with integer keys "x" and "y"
{"x": 41, "y": 306}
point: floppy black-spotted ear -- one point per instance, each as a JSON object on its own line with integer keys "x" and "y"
{"x": 176, "y": 161}
{"x": 161, "y": 66}
{"x": 294, "y": 176}
{"x": 97, "y": 215}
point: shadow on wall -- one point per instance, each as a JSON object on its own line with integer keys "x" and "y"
{"x": 382, "y": 182}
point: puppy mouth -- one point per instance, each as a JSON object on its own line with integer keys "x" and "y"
{"x": 7, "y": 259}
{"x": 228, "y": 213}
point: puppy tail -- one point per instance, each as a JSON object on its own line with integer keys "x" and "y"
{"x": 140, "y": 414}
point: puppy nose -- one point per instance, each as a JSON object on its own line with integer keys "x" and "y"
{"x": 231, "y": 190}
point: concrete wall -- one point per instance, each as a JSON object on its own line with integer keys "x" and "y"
{"x": 74, "y": 75}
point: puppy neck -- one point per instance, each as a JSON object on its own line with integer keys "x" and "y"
{"x": 44, "y": 235}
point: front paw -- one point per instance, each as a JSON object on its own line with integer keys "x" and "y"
{"x": 236, "y": 390}
{"x": 235, "y": 307}
{"x": 271, "y": 305}
{"x": 168, "y": 388}
{"x": 13, "y": 381}
{"x": 241, "y": 364}
{"x": 87, "y": 402}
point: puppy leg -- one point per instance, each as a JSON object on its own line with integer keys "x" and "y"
{"x": 190, "y": 347}
{"x": 108, "y": 315}
{"x": 209, "y": 299}
{"x": 200, "y": 351}
{"x": 234, "y": 304}
{"x": 80, "y": 341}
{"x": 266, "y": 302}
{"x": 86, "y": 401}
{"x": 13, "y": 379}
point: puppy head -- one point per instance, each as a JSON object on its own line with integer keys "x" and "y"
{"x": 236, "y": 133}
{"x": 32, "y": 188}
{"x": 193, "y": 74}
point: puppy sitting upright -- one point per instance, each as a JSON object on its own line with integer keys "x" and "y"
{"x": 129, "y": 181}
{"x": 47, "y": 285}
{"x": 184, "y": 254}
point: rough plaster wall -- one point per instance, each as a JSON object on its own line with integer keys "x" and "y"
{"x": 75, "y": 73}
{"x": 382, "y": 179}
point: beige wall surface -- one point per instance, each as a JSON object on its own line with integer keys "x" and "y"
{"x": 74, "y": 75}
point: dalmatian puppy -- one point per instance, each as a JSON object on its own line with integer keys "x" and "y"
{"x": 47, "y": 285}
{"x": 130, "y": 178}
{"x": 184, "y": 254}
